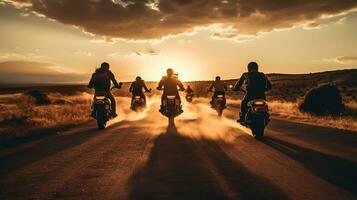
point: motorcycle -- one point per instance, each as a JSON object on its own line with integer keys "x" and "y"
{"x": 189, "y": 98}
{"x": 171, "y": 107}
{"x": 101, "y": 108}
{"x": 138, "y": 102}
{"x": 219, "y": 104}
{"x": 257, "y": 117}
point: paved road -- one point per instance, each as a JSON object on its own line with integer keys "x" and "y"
{"x": 201, "y": 156}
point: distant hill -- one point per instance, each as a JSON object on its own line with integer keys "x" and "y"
{"x": 291, "y": 87}
{"x": 288, "y": 87}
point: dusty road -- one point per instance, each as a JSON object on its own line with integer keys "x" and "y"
{"x": 201, "y": 156}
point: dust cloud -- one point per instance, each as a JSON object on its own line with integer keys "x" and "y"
{"x": 126, "y": 114}
{"x": 198, "y": 120}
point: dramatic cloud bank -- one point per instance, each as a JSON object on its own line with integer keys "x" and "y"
{"x": 154, "y": 19}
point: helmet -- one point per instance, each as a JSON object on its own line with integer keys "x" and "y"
{"x": 252, "y": 66}
{"x": 218, "y": 78}
{"x": 104, "y": 66}
{"x": 170, "y": 72}
{"x": 138, "y": 78}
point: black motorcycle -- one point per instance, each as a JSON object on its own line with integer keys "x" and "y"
{"x": 218, "y": 103}
{"x": 257, "y": 117}
{"x": 171, "y": 107}
{"x": 189, "y": 98}
{"x": 138, "y": 102}
{"x": 101, "y": 109}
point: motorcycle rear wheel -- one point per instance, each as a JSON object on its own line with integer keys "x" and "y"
{"x": 101, "y": 119}
{"x": 257, "y": 128}
{"x": 219, "y": 110}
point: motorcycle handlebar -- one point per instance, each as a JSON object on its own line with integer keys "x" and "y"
{"x": 119, "y": 86}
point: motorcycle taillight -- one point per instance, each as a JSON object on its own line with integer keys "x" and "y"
{"x": 258, "y": 102}
{"x": 99, "y": 97}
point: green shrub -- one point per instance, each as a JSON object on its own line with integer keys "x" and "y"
{"x": 323, "y": 100}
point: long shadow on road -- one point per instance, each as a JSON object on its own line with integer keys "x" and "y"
{"x": 45, "y": 148}
{"x": 176, "y": 169}
{"x": 338, "y": 171}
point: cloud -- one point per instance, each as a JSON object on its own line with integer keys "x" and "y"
{"x": 145, "y": 53}
{"x": 22, "y": 71}
{"x": 25, "y": 67}
{"x": 149, "y": 52}
{"x": 341, "y": 59}
{"x": 5, "y": 55}
{"x": 346, "y": 59}
{"x": 155, "y": 19}
{"x": 83, "y": 53}
{"x": 25, "y": 56}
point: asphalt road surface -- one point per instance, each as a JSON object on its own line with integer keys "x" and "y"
{"x": 200, "y": 156}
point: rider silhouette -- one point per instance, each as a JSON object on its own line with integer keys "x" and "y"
{"x": 189, "y": 90}
{"x": 101, "y": 81}
{"x": 256, "y": 85}
{"x": 136, "y": 88}
{"x": 219, "y": 87}
{"x": 170, "y": 83}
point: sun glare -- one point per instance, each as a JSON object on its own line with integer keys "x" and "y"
{"x": 186, "y": 68}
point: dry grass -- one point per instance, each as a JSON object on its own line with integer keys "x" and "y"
{"x": 289, "y": 110}
{"x": 20, "y": 116}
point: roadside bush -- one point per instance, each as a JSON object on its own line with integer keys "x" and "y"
{"x": 323, "y": 100}
{"x": 40, "y": 97}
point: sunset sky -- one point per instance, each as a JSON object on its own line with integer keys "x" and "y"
{"x": 63, "y": 41}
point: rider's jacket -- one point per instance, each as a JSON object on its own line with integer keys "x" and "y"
{"x": 256, "y": 84}
{"x": 218, "y": 85}
{"x": 101, "y": 79}
{"x": 170, "y": 84}
{"x": 189, "y": 91}
{"x": 137, "y": 87}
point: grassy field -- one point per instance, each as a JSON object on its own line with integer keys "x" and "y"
{"x": 21, "y": 116}
{"x": 70, "y": 104}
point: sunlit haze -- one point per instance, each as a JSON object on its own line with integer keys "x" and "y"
{"x": 64, "y": 41}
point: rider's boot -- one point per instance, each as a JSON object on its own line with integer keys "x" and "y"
{"x": 93, "y": 114}
{"x": 241, "y": 118}
{"x": 161, "y": 110}
{"x": 114, "y": 115}
{"x": 181, "y": 110}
